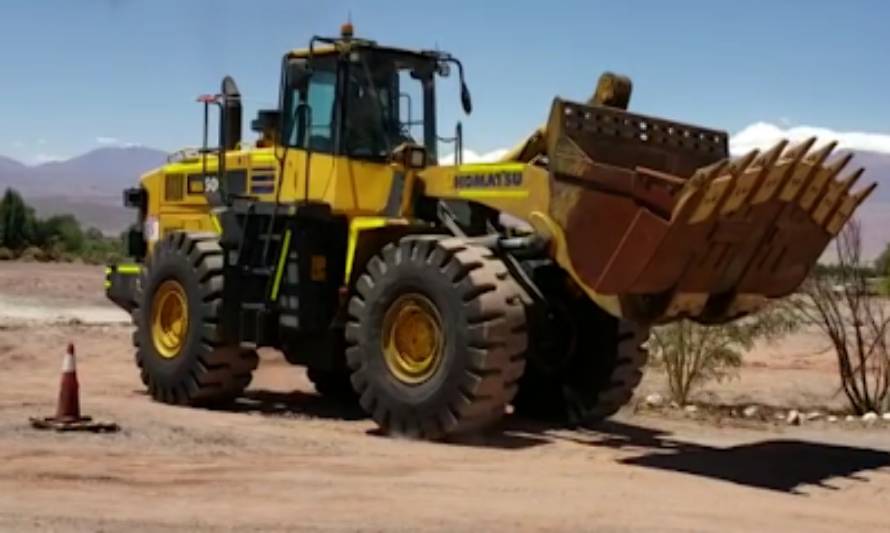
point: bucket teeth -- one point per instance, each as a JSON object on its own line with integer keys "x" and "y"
{"x": 718, "y": 185}
{"x": 745, "y": 230}
{"x": 751, "y": 178}
{"x": 843, "y": 209}
{"x": 835, "y": 191}
{"x": 847, "y": 207}
{"x": 804, "y": 168}
{"x": 819, "y": 181}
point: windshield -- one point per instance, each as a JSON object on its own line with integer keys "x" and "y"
{"x": 365, "y": 107}
{"x": 384, "y": 104}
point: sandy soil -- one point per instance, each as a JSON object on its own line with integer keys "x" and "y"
{"x": 285, "y": 459}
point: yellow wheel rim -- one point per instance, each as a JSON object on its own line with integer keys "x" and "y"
{"x": 169, "y": 318}
{"x": 412, "y": 338}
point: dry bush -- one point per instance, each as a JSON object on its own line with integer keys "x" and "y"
{"x": 855, "y": 320}
{"x": 693, "y": 354}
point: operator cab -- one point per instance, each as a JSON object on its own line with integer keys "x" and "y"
{"x": 351, "y": 97}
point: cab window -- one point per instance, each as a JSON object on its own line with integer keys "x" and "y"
{"x": 319, "y": 124}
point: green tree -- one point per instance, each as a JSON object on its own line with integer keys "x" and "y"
{"x": 16, "y": 221}
{"x": 882, "y": 263}
{"x": 882, "y": 268}
{"x": 61, "y": 232}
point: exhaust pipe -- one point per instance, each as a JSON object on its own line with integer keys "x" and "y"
{"x": 230, "y": 121}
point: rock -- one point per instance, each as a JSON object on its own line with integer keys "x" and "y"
{"x": 691, "y": 408}
{"x": 870, "y": 416}
{"x": 812, "y": 415}
{"x": 831, "y": 418}
{"x": 674, "y": 405}
{"x": 793, "y": 417}
{"x": 779, "y": 415}
{"x": 750, "y": 411}
{"x": 850, "y": 418}
{"x": 654, "y": 400}
{"x": 886, "y": 416}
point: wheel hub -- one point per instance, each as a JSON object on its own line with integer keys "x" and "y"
{"x": 412, "y": 338}
{"x": 169, "y": 319}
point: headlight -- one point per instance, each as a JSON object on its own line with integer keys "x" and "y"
{"x": 416, "y": 157}
{"x": 410, "y": 155}
{"x": 151, "y": 229}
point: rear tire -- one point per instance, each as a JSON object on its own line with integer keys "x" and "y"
{"x": 205, "y": 369}
{"x": 478, "y": 308}
{"x": 597, "y": 366}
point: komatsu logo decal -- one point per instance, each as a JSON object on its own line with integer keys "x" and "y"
{"x": 490, "y": 180}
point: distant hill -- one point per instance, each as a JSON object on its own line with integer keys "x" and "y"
{"x": 89, "y": 186}
{"x": 96, "y": 173}
{"x": 9, "y": 165}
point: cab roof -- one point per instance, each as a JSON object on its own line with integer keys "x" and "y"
{"x": 346, "y": 45}
{"x": 347, "y": 42}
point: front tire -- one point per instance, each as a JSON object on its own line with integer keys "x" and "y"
{"x": 180, "y": 350}
{"x": 436, "y": 337}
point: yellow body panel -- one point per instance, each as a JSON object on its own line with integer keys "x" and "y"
{"x": 361, "y": 191}
{"x": 351, "y": 187}
{"x": 517, "y": 189}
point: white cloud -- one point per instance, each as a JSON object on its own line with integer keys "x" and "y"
{"x": 761, "y": 135}
{"x": 473, "y": 157}
{"x": 114, "y": 141}
{"x": 18, "y": 144}
{"x": 45, "y": 158}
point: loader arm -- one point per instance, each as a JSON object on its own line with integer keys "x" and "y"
{"x": 655, "y": 221}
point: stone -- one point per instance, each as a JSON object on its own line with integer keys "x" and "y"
{"x": 654, "y": 400}
{"x": 886, "y": 416}
{"x": 812, "y": 415}
{"x": 793, "y": 417}
{"x": 751, "y": 411}
{"x": 850, "y": 418}
{"x": 831, "y": 418}
{"x": 870, "y": 416}
{"x": 691, "y": 408}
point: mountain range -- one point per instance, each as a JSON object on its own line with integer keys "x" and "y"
{"x": 89, "y": 186}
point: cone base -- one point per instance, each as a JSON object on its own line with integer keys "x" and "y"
{"x": 83, "y": 423}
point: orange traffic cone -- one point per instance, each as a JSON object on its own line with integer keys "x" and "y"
{"x": 68, "y": 417}
{"x": 68, "y": 407}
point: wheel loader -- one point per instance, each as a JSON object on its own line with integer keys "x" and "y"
{"x": 438, "y": 296}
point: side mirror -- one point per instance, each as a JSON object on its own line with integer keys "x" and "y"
{"x": 298, "y": 75}
{"x": 465, "y": 99}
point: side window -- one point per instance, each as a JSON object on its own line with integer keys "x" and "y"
{"x": 410, "y": 108}
{"x": 320, "y": 122}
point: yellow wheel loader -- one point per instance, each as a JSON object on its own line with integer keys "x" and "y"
{"x": 438, "y": 295}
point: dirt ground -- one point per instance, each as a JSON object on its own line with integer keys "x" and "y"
{"x": 285, "y": 459}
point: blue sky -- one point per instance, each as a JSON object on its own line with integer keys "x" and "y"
{"x": 77, "y": 75}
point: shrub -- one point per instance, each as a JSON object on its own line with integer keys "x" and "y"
{"x": 33, "y": 253}
{"x": 693, "y": 354}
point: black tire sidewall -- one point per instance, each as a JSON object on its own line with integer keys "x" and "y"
{"x": 429, "y": 397}
{"x": 171, "y": 262}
